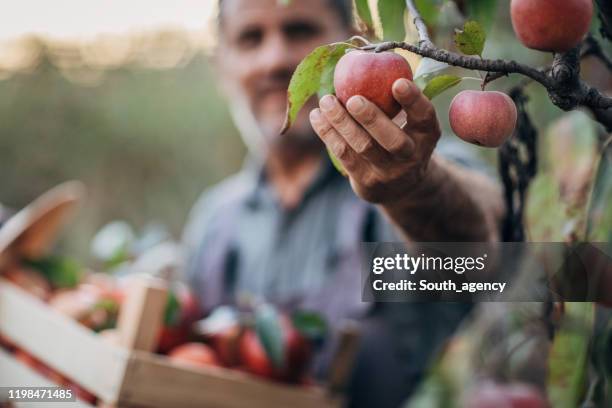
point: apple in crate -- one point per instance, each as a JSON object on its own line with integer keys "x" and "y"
{"x": 182, "y": 310}
{"x": 194, "y": 354}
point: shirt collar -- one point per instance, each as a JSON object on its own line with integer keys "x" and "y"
{"x": 262, "y": 191}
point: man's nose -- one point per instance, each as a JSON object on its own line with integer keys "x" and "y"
{"x": 277, "y": 55}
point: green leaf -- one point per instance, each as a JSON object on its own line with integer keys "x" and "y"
{"x": 314, "y": 74}
{"x": 440, "y": 84}
{"x": 172, "y": 313}
{"x": 471, "y": 39}
{"x": 568, "y": 356}
{"x": 270, "y": 333}
{"x": 483, "y": 11}
{"x": 429, "y": 10}
{"x": 60, "y": 271}
{"x": 310, "y": 325}
{"x": 363, "y": 11}
{"x": 391, "y": 14}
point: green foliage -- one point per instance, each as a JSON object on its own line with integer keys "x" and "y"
{"x": 429, "y": 10}
{"x": 482, "y": 11}
{"x": 471, "y": 39}
{"x": 364, "y": 13}
{"x": 310, "y": 325}
{"x": 440, "y": 84}
{"x": 314, "y": 74}
{"x": 145, "y": 142}
{"x": 392, "y": 14}
{"x": 172, "y": 312}
{"x": 270, "y": 333}
{"x": 545, "y": 214}
{"x": 569, "y": 356}
{"x": 62, "y": 272}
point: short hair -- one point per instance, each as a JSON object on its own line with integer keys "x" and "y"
{"x": 344, "y": 9}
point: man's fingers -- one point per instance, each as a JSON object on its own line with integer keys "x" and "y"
{"x": 380, "y": 127}
{"x": 334, "y": 142}
{"x": 357, "y": 138}
{"x": 420, "y": 113}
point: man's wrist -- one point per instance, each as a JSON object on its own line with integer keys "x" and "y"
{"x": 423, "y": 191}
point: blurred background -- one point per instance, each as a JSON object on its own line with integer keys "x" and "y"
{"x": 122, "y": 95}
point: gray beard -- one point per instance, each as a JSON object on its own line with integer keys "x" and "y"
{"x": 257, "y": 138}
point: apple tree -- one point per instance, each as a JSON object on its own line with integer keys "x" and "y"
{"x": 556, "y": 171}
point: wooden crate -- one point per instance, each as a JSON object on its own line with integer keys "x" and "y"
{"x": 127, "y": 374}
{"x": 15, "y": 374}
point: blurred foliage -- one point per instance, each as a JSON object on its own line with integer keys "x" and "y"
{"x": 146, "y": 141}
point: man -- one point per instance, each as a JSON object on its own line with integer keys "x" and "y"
{"x": 288, "y": 227}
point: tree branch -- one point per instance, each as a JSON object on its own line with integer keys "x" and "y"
{"x": 418, "y": 21}
{"x": 562, "y": 79}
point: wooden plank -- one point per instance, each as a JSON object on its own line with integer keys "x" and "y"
{"x": 15, "y": 374}
{"x": 61, "y": 343}
{"x": 142, "y": 314}
{"x": 153, "y": 381}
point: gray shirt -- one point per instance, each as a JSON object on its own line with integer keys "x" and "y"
{"x": 243, "y": 243}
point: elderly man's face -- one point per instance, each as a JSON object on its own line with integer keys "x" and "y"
{"x": 261, "y": 44}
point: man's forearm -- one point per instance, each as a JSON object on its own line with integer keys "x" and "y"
{"x": 452, "y": 204}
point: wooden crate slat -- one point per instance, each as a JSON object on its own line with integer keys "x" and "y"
{"x": 15, "y": 374}
{"x": 154, "y": 381}
{"x": 61, "y": 343}
{"x": 135, "y": 378}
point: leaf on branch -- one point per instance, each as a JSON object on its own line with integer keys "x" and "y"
{"x": 364, "y": 13}
{"x": 440, "y": 84}
{"x": 314, "y": 74}
{"x": 429, "y": 66}
{"x": 391, "y": 14}
{"x": 471, "y": 39}
{"x": 483, "y": 11}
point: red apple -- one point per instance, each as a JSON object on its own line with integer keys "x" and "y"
{"x": 195, "y": 354}
{"x": 226, "y": 343}
{"x": 253, "y": 356}
{"x": 182, "y": 310}
{"x": 298, "y": 354}
{"x": 551, "y": 25}
{"x": 485, "y": 118}
{"x": 371, "y": 75}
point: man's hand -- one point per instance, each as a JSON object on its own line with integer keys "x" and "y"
{"x": 427, "y": 198}
{"x": 384, "y": 162}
